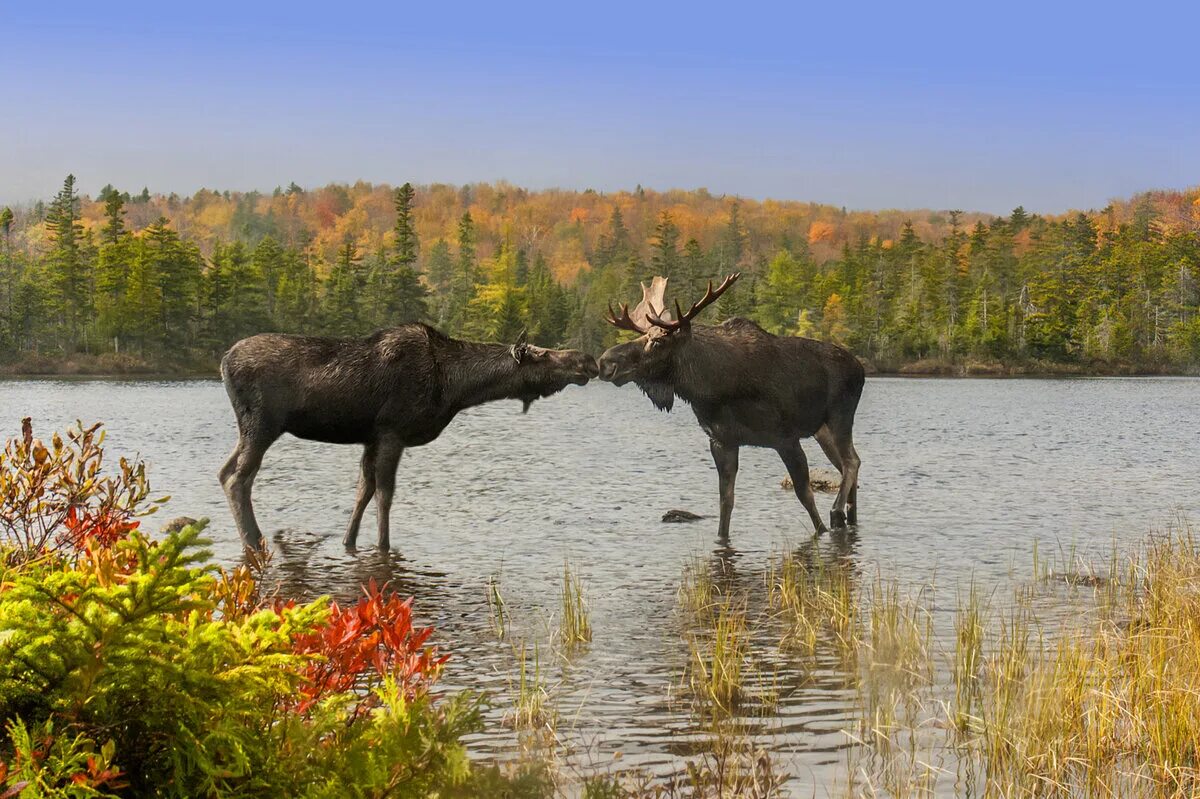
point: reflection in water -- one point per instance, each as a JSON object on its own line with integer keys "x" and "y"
{"x": 302, "y": 566}
{"x": 956, "y": 477}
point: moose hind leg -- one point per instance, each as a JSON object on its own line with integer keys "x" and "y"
{"x": 386, "y": 463}
{"x": 829, "y": 446}
{"x": 844, "y": 507}
{"x": 797, "y": 466}
{"x": 238, "y": 480}
{"x": 366, "y": 490}
{"x": 726, "y": 459}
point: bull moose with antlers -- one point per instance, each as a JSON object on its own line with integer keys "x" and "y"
{"x": 747, "y": 387}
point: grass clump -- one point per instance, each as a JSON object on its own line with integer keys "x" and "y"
{"x": 818, "y": 603}
{"x": 532, "y": 706}
{"x": 576, "y": 625}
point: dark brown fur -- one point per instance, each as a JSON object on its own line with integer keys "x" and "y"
{"x": 748, "y": 387}
{"x": 397, "y": 388}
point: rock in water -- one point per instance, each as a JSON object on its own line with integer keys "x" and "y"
{"x": 676, "y": 516}
{"x": 177, "y": 524}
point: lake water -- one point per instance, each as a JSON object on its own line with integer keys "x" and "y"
{"x": 960, "y": 478}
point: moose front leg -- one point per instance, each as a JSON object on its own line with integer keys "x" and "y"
{"x": 386, "y": 463}
{"x": 366, "y": 490}
{"x": 726, "y": 459}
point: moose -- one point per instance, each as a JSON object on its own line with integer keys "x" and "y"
{"x": 747, "y": 387}
{"x": 397, "y": 388}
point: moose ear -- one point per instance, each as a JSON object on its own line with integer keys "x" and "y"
{"x": 519, "y": 349}
{"x": 523, "y": 339}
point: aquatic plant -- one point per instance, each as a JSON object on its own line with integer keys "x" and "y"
{"x": 575, "y": 625}
{"x": 532, "y": 706}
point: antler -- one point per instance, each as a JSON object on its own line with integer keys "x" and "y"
{"x": 623, "y": 322}
{"x": 652, "y": 295}
{"x": 684, "y": 319}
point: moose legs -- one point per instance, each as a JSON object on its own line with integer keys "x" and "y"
{"x": 797, "y": 466}
{"x": 386, "y": 463}
{"x": 366, "y": 490}
{"x": 237, "y": 478}
{"x": 838, "y": 444}
{"x": 726, "y": 459}
{"x": 377, "y": 478}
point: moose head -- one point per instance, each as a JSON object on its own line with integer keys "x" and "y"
{"x": 650, "y": 359}
{"x": 543, "y": 372}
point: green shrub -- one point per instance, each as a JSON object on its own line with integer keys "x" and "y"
{"x": 134, "y": 667}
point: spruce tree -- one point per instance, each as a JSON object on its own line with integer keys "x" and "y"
{"x": 67, "y": 267}
{"x": 665, "y": 250}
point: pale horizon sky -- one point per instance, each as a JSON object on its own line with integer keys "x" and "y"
{"x": 1053, "y": 106}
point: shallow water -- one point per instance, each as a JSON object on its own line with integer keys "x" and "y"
{"x": 960, "y": 478}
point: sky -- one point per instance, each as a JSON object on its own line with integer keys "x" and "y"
{"x": 976, "y": 106}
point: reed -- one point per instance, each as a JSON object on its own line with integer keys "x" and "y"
{"x": 576, "y": 626}
{"x": 497, "y": 607}
{"x": 1103, "y": 705}
{"x": 532, "y": 707}
{"x": 718, "y": 661}
{"x": 817, "y": 603}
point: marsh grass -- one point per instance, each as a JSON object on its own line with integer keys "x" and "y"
{"x": 497, "y": 607}
{"x": 722, "y": 677}
{"x": 575, "y": 626}
{"x": 532, "y": 705}
{"x": 817, "y": 605}
{"x": 1100, "y": 704}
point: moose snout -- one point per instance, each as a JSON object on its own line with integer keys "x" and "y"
{"x": 612, "y": 370}
{"x": 583, "y": 365}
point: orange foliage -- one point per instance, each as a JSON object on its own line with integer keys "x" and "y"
{"x": 820, "y": 231}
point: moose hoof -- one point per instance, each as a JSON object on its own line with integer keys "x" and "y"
{"x": 837, "y": 519}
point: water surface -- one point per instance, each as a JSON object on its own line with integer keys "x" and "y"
{"x": 959, "y": 479}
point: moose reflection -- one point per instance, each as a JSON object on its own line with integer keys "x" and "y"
{"x": 397, "y": 388}
{"x": 747, "y": 387}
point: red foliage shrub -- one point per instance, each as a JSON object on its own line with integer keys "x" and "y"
{"x": 362, "y": 644}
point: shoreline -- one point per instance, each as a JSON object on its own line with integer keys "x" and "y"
{"x": 124, "y": 367}
{"x": 214, "y": 375}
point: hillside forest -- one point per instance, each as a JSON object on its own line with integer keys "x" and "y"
{"x": 143, "y": 281}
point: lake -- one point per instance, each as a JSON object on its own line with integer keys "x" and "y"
{"x": 960, "y": 478}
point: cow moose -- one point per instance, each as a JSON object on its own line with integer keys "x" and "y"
{"x": 747, "y": 387}
{"x": 395, "y": 389}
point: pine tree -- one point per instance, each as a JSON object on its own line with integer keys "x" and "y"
{"x": 406, "y": 247}
{"x": 615, "y": 246}
{"x": 733, "y": 241}
{"x": 67, "y": 267}
{"x": 462, "y": 285}
{"x": 113, "y": 265}
{"x": 665, "y": 249}
{"x": 344, "y": 293}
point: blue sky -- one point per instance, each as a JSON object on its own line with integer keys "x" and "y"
{"x": 966, "y": 105}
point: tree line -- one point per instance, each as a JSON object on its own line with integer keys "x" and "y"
{"x": 116, "y": 274}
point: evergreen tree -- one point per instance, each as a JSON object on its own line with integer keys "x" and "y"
{"x": 462, "y": 285}
{"x": 405, "y": 248}
{"x": 665, "y": 249}
{"x": 113, "y": 265}
{"x": 68, "y": 267}
{"x": 344, "y": 293}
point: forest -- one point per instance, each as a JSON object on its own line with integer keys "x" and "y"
{"x": 151, "y": 282}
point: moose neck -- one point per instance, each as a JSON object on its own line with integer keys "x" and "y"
{"x": 706, "y": 367}
{"x": 481, "y": 373}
